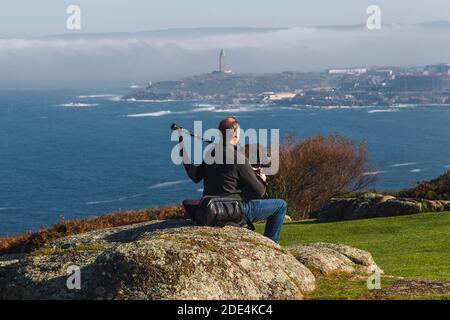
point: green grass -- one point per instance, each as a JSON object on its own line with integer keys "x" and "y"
{"x": 415, "y": 246}
{"x": 342, "y": 287}
{"x": 339, "y": 287}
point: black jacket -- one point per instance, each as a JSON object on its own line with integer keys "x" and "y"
{"x": 228, "y": 179}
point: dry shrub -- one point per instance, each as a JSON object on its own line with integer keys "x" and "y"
{"x": 317, "y": 169}
{"x": 436, "y": 189}
{"x": 30, "y": 241}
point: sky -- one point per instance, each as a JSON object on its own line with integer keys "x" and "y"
{"x": 28, "y": 58}
{"x": 33, "y": 18}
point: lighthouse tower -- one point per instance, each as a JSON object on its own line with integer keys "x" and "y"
{"x": 222, "y": 61}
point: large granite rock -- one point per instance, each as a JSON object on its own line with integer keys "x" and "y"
{"x": 326, "y": 258}
{"x": 371, "y": 205}
{"x": 173, "y": 259}
{"x": 200, "y": 263}
{"x": 44, "y": 273}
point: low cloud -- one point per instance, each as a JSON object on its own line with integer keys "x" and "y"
{"x": 120, "y": 59}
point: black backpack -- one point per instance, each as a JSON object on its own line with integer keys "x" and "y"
{"x": 217, "y": 211}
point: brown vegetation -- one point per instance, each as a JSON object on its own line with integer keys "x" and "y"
{"x": 30, "y": 241}
{"x": 317, "y": 169}
{"x": 436, "y": 189}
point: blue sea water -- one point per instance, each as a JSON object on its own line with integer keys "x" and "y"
{"x": 79, "y": 154}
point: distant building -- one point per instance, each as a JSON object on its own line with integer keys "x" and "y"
{"x": 426, "y": 83}
{"x": 349, "y": 71}
{"x": 222, "y": 61}
{"x": 443, "y": 68}
{"x": 384, "y": 72}
{"x": 222, "y": 64}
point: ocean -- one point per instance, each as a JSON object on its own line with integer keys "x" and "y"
{"x": 82, "y": 154}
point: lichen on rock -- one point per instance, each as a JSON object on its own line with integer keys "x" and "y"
{"x": 174, "y": 259}
{"x": 326, "y": 258}
{"x": 200, "y": 263}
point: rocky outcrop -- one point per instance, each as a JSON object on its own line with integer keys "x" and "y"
{"x": 43, "y": 274}
{"x": 326, "y": 258}
{"x": 200, "y": 263}
{"x": 371, "y": 205}
{"x": 173, "y": 259}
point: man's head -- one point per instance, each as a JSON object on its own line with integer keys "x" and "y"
{"x": 229, "y": 127}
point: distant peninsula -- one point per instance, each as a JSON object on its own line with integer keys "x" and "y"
{"x": 375, "y": 86}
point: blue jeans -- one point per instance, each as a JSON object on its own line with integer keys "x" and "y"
{"x": 272, "y": 210}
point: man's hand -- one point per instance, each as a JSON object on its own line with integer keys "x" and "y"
{"x": 261, "y": 175}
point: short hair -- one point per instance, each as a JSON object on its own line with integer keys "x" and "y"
{"x": 227, "y": 124}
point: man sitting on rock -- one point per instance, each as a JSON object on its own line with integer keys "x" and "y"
{"x": 239, "y": 180}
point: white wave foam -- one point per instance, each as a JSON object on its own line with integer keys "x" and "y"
{"x": 382, "y": 110}
{"x": 150, "y": 100}
{"x": 200, "y": 190}
{"x": 233, "y": 109}
{"x": 226, "y": 110}
{"x": 166, "y": 112}
{"x": 415, "y": 170}
{"x": 9, "y": 208}
{"x": 241, "y": 109}
{"x": 78, "y": 105}
{"x": 202, "y": 109}
{"x": 95, "y": 96}
{"x": 114, "y": 200}
{"x": 404, "y": 106}
{"x": 336, "y": 107}
{"x": 102, "y": 201}
{"x": 135, "y": 196}
{"x": 404, "y": 164}
{"x": 291, "y": 108}
{"x": 115, "y": 98}
{"x": 205, "y": 105}
{"x": 168, "y": 184}
{"x": 374, "y": 173}
{"x": 150, "y": 114}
